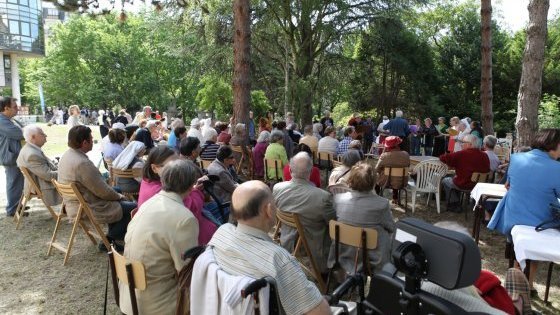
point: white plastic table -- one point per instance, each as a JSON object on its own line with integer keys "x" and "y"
{"x": 480, "y": 193}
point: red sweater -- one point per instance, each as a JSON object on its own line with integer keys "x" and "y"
{"x": 315, "y": 176}
{"x": 493, "y": 292}
{"x": 466, "y": 162}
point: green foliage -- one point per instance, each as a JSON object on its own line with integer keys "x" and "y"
{"x": 259, "y": 103}
{"x": 341, "y": 114}
{"x": 215, "y": 95}
{"x": 549, "y": 111}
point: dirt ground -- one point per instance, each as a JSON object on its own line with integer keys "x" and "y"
{"x": 32, "y": 283}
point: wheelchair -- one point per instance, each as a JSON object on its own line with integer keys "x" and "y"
{"x": 420, "y": 251}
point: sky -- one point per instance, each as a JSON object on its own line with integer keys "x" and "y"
{"x": 513, "y": 14}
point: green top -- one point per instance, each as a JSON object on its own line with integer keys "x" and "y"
{"x": 276, "y": 151}
{"x": 442, "y": 128}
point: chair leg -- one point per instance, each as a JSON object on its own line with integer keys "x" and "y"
{"x": 72, "y": 235}
{"x": 88, "y": 232}
{"x": 437, "y": 202}
{"x": 53, "y": 239}
{"x": 51, "y": 211}
{"x": 20, "y": 210}
{"x": 428, "y": 199}
{"x": 413, "y": 200}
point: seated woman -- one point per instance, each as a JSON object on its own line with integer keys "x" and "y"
{"x": 314, "y": 177}
{"x": 340, "y": 174}
{"x": 130, "y": 158}
{"x": 533, "y": 184}
{"x": 258, "y": 153}
{"x": 112, "y": 149}
{"x": 157, "y": 236}
{"x": 276, "y": 151}
{"x": 392, "y": 157}
{"x": 362, "y": 207}
{"x": 151, "y": 185}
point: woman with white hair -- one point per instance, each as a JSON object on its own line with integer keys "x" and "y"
{"x": 317, "y": 129}
{"x": 464, "y": 129}
{"x": 130, "y": 158}
{"x": 194, "y": 130}
{"x": 74, "y": 116}
{"x": 258, "y": 153}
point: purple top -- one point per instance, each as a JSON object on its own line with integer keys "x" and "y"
{"x": 413, "y": 129}
{"x": 258, "y": 158}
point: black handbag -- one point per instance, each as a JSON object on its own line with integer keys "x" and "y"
{"x": 553, "y": 223}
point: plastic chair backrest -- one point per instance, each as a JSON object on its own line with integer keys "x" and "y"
{"x": 429, "y": 174}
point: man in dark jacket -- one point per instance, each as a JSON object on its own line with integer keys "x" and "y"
{"x": 11, "y": 136}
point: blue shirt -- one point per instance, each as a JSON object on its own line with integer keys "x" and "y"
{"x": 172, "y": 140}
{"x": 397, "y": 127}
{"x": 533, "y": 177}
{"x": 343, "y": 145}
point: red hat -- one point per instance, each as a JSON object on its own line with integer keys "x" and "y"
{"x": 392, "y": 142}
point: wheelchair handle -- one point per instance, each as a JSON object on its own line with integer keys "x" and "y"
{"x": 348, "y": 284}
{"x": 253, "y": 287}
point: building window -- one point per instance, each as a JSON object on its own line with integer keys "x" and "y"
{"x": 14, "y": 27}
{"x": 7, "y": 62}
{"x": 25, "y": 31}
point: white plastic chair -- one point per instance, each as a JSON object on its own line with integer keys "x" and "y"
{"x": 428, "y": 178}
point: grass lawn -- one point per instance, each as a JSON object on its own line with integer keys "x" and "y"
{"x": 57, "y": 138}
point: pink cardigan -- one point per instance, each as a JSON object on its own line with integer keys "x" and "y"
{"x": 193, "y": 201}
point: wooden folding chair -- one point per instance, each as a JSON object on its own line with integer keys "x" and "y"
{"x": 245, "y": 158}
{"x": 204, "y": 164}
{"x": 292, "y": 220}
{"x": 131, "y": 273}
{"x": 363, "y": 239}
{"x": 325, "y": 161}
{"x": 70, "y": 191}
{"x": 128, "y": 173}
{"x": 109, "y": 163}
{"x": 278, "y": 168}
{"x": 392, "y": 172}
{"x": 33, "y": 192}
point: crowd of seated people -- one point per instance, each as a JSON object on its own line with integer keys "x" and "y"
{"x": 172, "y": 206}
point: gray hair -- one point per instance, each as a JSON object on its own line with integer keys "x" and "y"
{"x": 301, "y": 165}
{"x": 317, "y": 127}
{"x": 177, "y": 122}
{"x": 472, "y": 139}
{"x": 209, "y": 133}
{"x": 399, "y": 113}
{"x": 29, "y": 131}
{"x": 179, "y": 176}
{"x": 239, "y": 129}
{"x": 308, "y": 130}
{"x": 276, "y": 136}
{"x": 453, "y": 226}
{"x": 490, "y": 142}
{"x": 350, "y": 158}
{"x": 264, "y": 136}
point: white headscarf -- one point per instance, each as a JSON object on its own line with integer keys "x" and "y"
{"x": 462, "y": 134}
{"x": 124, "y": 159}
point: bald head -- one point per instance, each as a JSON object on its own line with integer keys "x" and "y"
{"x": 301, "y": 165}
{"x": 248, "y": 200}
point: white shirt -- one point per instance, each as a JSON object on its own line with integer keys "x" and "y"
{"x": 328, "y": 144}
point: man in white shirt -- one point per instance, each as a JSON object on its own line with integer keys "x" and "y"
{"x": 329, "y": 143}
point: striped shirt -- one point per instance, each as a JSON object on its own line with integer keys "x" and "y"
{"x": 209, "y": 150}
{"x": 247, "y": 251}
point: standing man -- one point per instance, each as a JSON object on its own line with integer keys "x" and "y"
{"x": 10, "y": 144}
{"x": 399, "y": 127}
{"x": 327, "y": 121}
{"x": 252, "y": 130}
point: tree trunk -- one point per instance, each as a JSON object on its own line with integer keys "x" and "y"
{"x": 241, "y": 61}
{"x": 530, "y": 87}
{"x": 486, "y": 67}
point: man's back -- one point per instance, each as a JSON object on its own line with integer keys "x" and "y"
{"x": 328, "y": 144}
{"x": 315, "y": 210}
{"x": 247, "y": 251}
{"x": 397, "y": 127}
{"x": 466, "y": 162}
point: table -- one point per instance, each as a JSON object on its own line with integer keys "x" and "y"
{"x": 481, "y": 193}
{"x": 415, "y": 159}
{"x": 530, "y": 245}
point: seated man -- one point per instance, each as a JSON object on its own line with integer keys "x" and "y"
{"x": 466, "y": 162}
{"x": 349, "y": 135}
{"x": 248, "y": 250}
{"x": 312, "y": 204}
{"x": 221, "y": 168}
{"x": 329, "y": 143}
{"x": 107, "y": 205}
{"x": 210, "y": 148}
{"x": 489, "y": 144}
{"x": 40, "y": 167}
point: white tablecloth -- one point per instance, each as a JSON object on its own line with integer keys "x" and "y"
{"x": 533, "y": 245}
{"x": 487, "y": 189}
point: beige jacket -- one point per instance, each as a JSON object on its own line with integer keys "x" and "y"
{"x": 392, "y": 159}
{"x": 42, "y": 170}
{"x": 158, "y": 234}
{"x": 310, "y": 141}
{"x": 75, "y": 166}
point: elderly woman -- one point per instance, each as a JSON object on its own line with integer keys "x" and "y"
{"x": 160, "y": 232}
{"x": 452, "y": 131}
{"x": 194, "y": 201}
{"x": 340, "y": 174}
{"x": 533, "y": 184}
{"x": 317, "y": 130}
{"x": 439, "y": 140}
{"x": 240, "y": 139}
{"x": 258, "y": 153}
{"x": 130, "y": 158}
{"x": 314, "y": 177}
{"x": 392, "y": 157}
{"x": 463, "y": 127}
{"x": 74, "y": 116}
{"x": 223, "y": 136}
{"x": 276, "y": 151}
{"x": 428, "y": 133}
{"x": 362, "y": 207}
{"x": 194, "y": 130}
